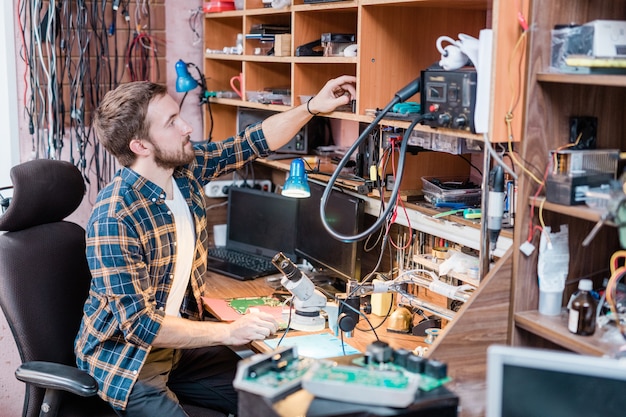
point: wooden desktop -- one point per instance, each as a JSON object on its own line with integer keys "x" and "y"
{"x": 219, "y": 286}
{"x": 440, "y": 403}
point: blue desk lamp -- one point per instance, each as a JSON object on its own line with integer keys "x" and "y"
{"x": 297, "y": 185}
{"x": 185, "y": 83}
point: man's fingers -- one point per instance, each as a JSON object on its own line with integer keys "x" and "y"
{"x": 265, "y": 320}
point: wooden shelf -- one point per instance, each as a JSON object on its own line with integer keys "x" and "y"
{"x": 324, "y": 60}
{"x": 283, "y": 59}
{"x": 252, "y": 58}
{"x": 581, "y": 212}
{"x": 420, "y": 214}
{"x": 250, "y": 104}
{"x": 338, "y": 5}
{"x": 584, "y": 79}
{"x": 459, "y": 4}
{"x": 554, "y": 329}
{"x": 351, "y": 116}
{"x": 226, "y": 13}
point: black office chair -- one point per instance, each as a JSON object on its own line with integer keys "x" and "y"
{"x": 44, "y": 281}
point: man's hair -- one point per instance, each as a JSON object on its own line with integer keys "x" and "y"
{"x": 121, "y": 117}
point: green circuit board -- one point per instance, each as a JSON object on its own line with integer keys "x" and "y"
{"x": 241, "y": 305}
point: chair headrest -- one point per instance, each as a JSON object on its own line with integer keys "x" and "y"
{"x": 44, "y": 191}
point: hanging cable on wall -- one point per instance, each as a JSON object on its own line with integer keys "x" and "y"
{"x": 141, "y": 55}
{"x": 27, "y": 76}
{"x": 75, "y": 52}
{"x": 195, "y": 21}
{"x": 141, "y": 58}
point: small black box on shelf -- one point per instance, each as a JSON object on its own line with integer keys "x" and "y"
{"x": 315, "y": 133}
{"x": 569, "y": 190}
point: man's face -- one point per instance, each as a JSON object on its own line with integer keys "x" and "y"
{"x": 169, "y": 134}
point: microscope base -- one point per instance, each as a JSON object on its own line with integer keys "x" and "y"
{"x": 304, "y": 323}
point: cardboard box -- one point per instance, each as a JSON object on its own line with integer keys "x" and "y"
{"x": 282, "y": 45}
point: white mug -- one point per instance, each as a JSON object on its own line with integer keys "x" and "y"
{"x": 219, "y": 234}
{"x": 452, "y": 57}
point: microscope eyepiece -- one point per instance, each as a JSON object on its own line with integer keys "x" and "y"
{"x": 286, "y": 267}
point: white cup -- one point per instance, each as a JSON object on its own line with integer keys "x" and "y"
{"x": 219, "y": 235}
{"x": 550, "y": 302}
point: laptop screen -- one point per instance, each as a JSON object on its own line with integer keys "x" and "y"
{"x": 531, "y": 382}
{"x": 261, "y": 222}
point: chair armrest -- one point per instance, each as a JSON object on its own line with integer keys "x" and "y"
{"x": 50, "y": 375}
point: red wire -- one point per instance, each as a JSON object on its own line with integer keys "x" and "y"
{"x": 531, "y": 228}
{"x": 141, "y": 41}
{"x": 520, "y": 16}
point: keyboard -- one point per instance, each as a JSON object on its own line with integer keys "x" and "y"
{"x": 242, "y": 263}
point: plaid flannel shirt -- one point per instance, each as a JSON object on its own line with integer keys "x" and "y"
{"x": 131, "y": 251}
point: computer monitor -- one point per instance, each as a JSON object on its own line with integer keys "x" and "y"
{"x": 344, "y": 213}
{"x": 261, "y": 222}
{"x": 530, "y": 382}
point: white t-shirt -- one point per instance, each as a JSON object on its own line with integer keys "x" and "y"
{"x": 185, "y": 243}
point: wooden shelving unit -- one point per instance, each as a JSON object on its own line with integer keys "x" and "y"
{"x": 551, "y": 99}
{"x": 396, "y": 40}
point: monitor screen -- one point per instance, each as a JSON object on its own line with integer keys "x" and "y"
{"x": 344, "y": 213}
{"x": 261, "y": 222}
{"x": 528, "y": 382}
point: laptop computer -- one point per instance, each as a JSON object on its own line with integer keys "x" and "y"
{"x": 260, "y": 224}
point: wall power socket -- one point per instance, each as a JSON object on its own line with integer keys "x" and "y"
{"x": 219, "y": 188}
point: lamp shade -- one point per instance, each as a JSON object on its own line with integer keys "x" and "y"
{"x": 184, "y": 80}
{"x": 297, "y": 185}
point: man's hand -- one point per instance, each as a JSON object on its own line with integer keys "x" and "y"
{"x": 252, "y": 326}
{"x": 337, "y": 92}
{"x": 181, "y": 333}
{"x": 280, "y": 128}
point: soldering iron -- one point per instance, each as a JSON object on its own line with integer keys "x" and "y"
{"x": 495, "y": 208}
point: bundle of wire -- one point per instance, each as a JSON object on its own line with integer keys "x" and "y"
{"x": 617, "y": 273}
{"x": 62, "y": 81}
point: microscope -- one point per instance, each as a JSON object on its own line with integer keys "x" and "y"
{"x": 343, "y": 313}
{"x": 307, "y": 302}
